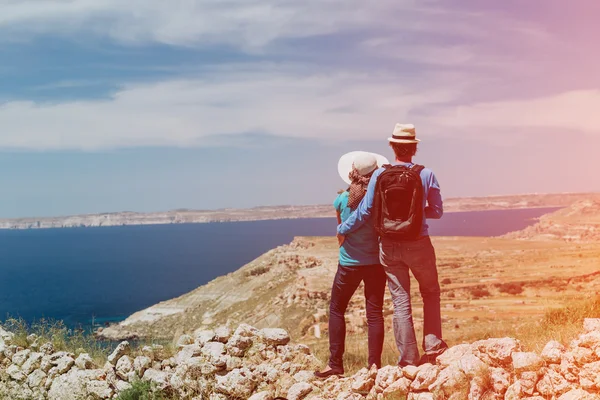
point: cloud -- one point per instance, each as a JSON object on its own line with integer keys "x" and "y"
{"x": 570, "y": 111}
{"x": 187, "y": 112}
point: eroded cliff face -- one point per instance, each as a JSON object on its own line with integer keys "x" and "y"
{"x": 580, "y": 222}
{"x": 249, "y": 363}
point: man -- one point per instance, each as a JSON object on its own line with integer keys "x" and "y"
{"x": 404, "y": 242}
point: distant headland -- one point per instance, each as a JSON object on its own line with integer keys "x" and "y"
{"x": 186, "y": 216}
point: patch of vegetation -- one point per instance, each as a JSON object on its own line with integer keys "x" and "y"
{"x": 260, "y": 270}
{"x": 76, "y": 341}
{"x": 446, "y": 281}
{"x": 141, "y": 390}
{"x": 513, "y": 288}
{"x": 479, "y": 292}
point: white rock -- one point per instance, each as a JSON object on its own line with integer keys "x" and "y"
{"x": 36, "y": 379}
{"x": 450, "y": 381}
{"x": 239, "y": 383}
{"x": 526, "y": 361}
{"x": 33, "y": 362}
{"x": 124, "y": 368}
{"x": 222, "y": 334}
{"x": 246, "y": 331}
{"x": 299, "y": 391}
{"x": 141, "y": 364}
{"x": 203, "y": 336}
{"x": 578, "y": 394}
{"x": 591, "y": 324}
{"x": 184, "y": 340}
{"x": 452, "y": 354}
{"x": 20, "y": 357}
{"x": 552, "y": 352}
{"x": 261, "y": 396}
{"x": 72, "y": 385}
{"x": 552, "y": 384}
{"x": 122, "y": 349}
{"x": 84, "y": 361}
{"x": 99, "y": 389}
{"x": 160, "y": 378}
{"x": 497, "y": 351}
{"x": 589, "y": 376}
{"x": 387, "y": 375}
{"x": 187, "y": 352}
{"x": 398, "y": 388}
{"x": 528, "y": 380}
{"x": 15, "y": 373}
{"x": 410, "y": 371}
{"x": 275, "y": 336}
{"x": 426, "y": 376}
{"x": 304, "y": 376}
{"x": 64, "y": 364}
{"x": 47, "y": 348}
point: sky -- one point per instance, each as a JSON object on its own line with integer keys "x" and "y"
{"x": 149, "y": 105}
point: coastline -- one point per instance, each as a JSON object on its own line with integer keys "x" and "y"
{"x": 488, "y": 203}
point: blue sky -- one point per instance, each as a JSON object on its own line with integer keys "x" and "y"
{"x": 149, "y": 105}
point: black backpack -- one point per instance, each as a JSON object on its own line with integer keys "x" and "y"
{"x": 398, "y": 202}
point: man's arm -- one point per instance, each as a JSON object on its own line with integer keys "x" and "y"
{"x": 363, "y": 212}
{"x": 435, "y": 204}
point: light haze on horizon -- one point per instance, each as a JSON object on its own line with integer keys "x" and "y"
{"x": 149, "y": 105}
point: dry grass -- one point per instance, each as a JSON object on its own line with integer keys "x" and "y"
{"x": 562, "y": 324}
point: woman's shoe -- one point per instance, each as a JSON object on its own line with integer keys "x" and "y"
{"x": 329, "y": 372}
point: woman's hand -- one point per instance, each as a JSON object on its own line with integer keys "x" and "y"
{"x": 340, "y": 239}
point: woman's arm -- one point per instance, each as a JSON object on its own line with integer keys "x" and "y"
{"x": 339, "y": 216}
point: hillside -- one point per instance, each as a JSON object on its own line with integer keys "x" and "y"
{"x": 577, "y": 223}
{"x": 486, "y": 283}
{"x": 280, "y": 212}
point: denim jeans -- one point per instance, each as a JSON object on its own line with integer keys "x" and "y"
{"x": 345, "y": 284}
{"x": 398, "y": 258}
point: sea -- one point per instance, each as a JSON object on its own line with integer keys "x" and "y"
{"x": 86, "y": 276}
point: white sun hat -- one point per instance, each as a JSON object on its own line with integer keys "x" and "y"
{"x": 404, "y": 133}
{"x": 363, "y": 161}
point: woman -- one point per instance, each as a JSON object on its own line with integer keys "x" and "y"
{"x": 358, "y": 262}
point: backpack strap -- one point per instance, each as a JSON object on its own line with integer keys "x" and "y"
{"x": 417, "y": 168}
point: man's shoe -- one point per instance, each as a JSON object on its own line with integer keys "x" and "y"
{"x": 328, "y": 373}
{"x": 431, "y": 356}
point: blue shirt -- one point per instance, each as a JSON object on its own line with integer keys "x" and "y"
{"x": 362, "y": 246}
{"x": 432, "y": 203}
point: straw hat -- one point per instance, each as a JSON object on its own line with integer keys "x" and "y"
{"x": 363, "y": 161}
{"x": 404, "y": 133}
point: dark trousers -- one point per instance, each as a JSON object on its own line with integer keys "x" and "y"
{"x": 345, "y": 284}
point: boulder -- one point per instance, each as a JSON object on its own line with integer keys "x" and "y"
{"x": 84, "y": 361}
{"x": 275, "y": 336}
{"x": 526, "y": 361}
{"x": 124, "y": 368}
{"x": 299, "y": 391}
{"x": 552, "y": 352}
{"x": 123, "y": 349}
{"x": 239, "y": 383}
{"x": 184, "y": 340}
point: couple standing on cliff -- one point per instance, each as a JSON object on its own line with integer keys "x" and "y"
{"x": 383, "y": 235}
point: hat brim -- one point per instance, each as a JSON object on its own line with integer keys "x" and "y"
{"x": 408, "y": 141}
{"x": 347, "y": 161}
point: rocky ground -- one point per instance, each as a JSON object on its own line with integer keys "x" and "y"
{"x": 261, "y": 364}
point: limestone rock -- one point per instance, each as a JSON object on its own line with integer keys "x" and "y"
{"x": 47, "y": 348}
{"x": 261, "y": 396}
{"x": 63, "y": 364}
{"x": 246, "y": 331}
{"x": 552, "y": 384}
{"x": 387, "y": 375}
{"x": 15, "y": 373}
{"x": 582, "y": 355}
{"x": 84, "y": 361}
{"x": 528, "y": 380}
{"x": 526, "y": 361}
{"x": 99, "y": 389}
{"x": 160, "y": 378}
{"x": 450, "y": 381}
{"x": 591, "y": 324}
{"x": 398, "y": 388}
{"x": 589, "y": 377}
{"x": 426, "y": 375}
{"x": 187, "y": 352}
{"x": 36, "y": 379}
{"x": 299, "y": 391}
{"x": 124, "y": 367}
{"x": 238, "y": 383}
{"x": 552, "y": 352}
{"x": 497, "y": 351}
{"x": 275, "y": 336}
{"x": 222, "y": 334}
{"x": 361, "y": 382}
{"x": 578, "y": 394}
{"x": 122, "y": 349}
{"x": 410, "y": 371}
{"x": 452, "y": 354}
{"x": 141, "y": 364}
{"x": 203, "y": 336}
{"x": 184, "y": 340}
{"x": 20, "y": 357}
{"x": 33, "y": 362}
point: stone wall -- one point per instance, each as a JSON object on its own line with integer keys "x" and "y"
{"x": 261, "y": 364}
